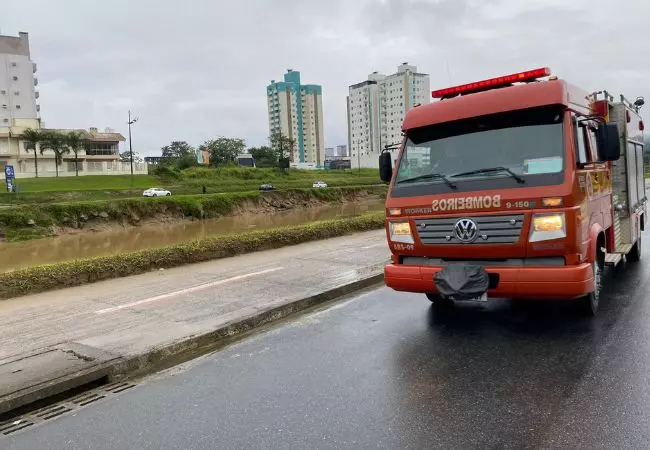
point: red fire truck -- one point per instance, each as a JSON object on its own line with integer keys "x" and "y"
{"x": 521, "y": 186}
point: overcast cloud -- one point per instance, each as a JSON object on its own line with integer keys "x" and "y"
{"x": 198, "y": 69}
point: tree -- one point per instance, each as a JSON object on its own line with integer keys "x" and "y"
{"x": 76, "y": 141}
{"x": 264, "y": 156}
{"x": 179, "y": 154}
{"x": 284, "y": 147}
{"x": 55, "y": 141}
{"x": 224, "y": 151}
{"x": 31, "y": 138}
{"x": 126, "y": 157}
{"x": 177, "y": 149}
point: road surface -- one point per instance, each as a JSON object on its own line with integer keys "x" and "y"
{"x": 384, "y": 371}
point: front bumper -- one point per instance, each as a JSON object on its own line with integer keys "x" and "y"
{"x": 565, "y": 282}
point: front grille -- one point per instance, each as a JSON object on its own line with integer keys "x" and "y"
{"x": 502, "y": 229}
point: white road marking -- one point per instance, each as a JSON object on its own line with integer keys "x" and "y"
{"x": 200, "y": 287}
{"x": 374, "y": 245}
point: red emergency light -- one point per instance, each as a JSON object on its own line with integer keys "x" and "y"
{"x": 520, "y": 77}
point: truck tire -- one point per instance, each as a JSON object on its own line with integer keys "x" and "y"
{"x": 635, "y": 252}
{"x": 439, "y": 302}
{"x": 589, "y": 303}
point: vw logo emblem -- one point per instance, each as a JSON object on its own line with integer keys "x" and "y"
{"x": 466, "y": 230}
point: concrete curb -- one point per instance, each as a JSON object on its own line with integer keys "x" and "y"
{"x": 159, "y": 358}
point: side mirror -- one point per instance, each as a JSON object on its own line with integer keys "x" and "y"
{"x": 385, "y": 167}
{"x": 609, "y": 143}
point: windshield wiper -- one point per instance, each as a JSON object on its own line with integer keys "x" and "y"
{"x": 491, "y": 170}
{"x": 429, "y": 176}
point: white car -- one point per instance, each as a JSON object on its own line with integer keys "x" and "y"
{"x": 320, "y": 184}
{"x": 156, "y": 192}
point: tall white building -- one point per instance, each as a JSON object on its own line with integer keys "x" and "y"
{"x": 296, "y": 110}
{"x": 18, "y": 92}
{"x": 376, "y": 108}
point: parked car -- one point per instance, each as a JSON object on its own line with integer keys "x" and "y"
{"x": 156, "y": 192}
{"x": 267, "y": 187}
{"x": 320, "y": 184}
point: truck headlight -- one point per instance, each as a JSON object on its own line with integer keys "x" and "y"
{"x": 547, "y": 226}
{"x": 400, "y": 232}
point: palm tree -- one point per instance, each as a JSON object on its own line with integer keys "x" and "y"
{"x": 55, "y": 141}
{"x": 31, "y": 138}
{"x": 75, "y": 141}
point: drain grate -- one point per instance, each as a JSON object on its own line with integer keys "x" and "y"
{"x": 116, "y": 388}
{"x": 63, "y": 407}
{"x": 87, "y": 399}
{"x": 51, "y": 412}
{"x": 13, "y": 426}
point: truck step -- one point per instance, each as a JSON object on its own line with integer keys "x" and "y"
{"x": 612, "y": 259}
{"x": 624, "y": 249}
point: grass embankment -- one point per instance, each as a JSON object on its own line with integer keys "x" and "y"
{"x": 75, "y": 273}
{"x": 39, "y": 220}
{"x": 189, "y": 181}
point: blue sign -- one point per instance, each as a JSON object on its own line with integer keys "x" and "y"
{"x": 9, "y": 177}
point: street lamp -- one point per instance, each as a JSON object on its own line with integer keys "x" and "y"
{"x": 131, "y": 122}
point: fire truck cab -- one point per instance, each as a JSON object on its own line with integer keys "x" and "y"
{"x": 521, "y": 186}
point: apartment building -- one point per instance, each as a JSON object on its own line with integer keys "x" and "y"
{"x": 296, "y": 111}
{"x": 376, "y": 108}
{"x": 18, "y": 94}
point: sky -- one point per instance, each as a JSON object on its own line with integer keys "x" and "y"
{"x": 197, "y": 70}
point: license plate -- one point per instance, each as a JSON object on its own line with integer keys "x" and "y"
{"x": 482, "y": 298}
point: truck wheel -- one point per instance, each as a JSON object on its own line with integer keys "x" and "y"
{"x": 635, "y": 253}
{"x": 589, "y": 303}
{"x": 439, "y": 302}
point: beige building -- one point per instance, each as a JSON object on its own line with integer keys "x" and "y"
{"x": 101, "y": 158}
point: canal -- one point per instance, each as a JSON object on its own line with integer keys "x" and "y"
{"x": 128, "y": 239}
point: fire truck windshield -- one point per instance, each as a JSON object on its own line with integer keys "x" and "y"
{"x": 500, "y": 151}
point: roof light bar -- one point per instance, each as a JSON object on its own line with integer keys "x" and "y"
{"x": 529, "y": 75}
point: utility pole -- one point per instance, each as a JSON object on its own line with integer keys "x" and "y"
{"x": 131, "y": 122}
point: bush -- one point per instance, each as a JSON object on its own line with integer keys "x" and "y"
{"x": 166, "y": 172}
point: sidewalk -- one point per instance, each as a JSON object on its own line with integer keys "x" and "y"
{"x": 58, "y": 340}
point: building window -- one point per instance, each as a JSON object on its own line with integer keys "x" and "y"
{"x": 17, "y": 106}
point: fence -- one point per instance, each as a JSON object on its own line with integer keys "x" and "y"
{"x": 67, "y": 168}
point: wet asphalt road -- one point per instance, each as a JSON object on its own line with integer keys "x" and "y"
{"x": 384, "y": 371}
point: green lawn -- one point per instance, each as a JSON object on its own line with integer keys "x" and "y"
{"x": 190, "y": 181}
{"x": 85, "y": 183}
